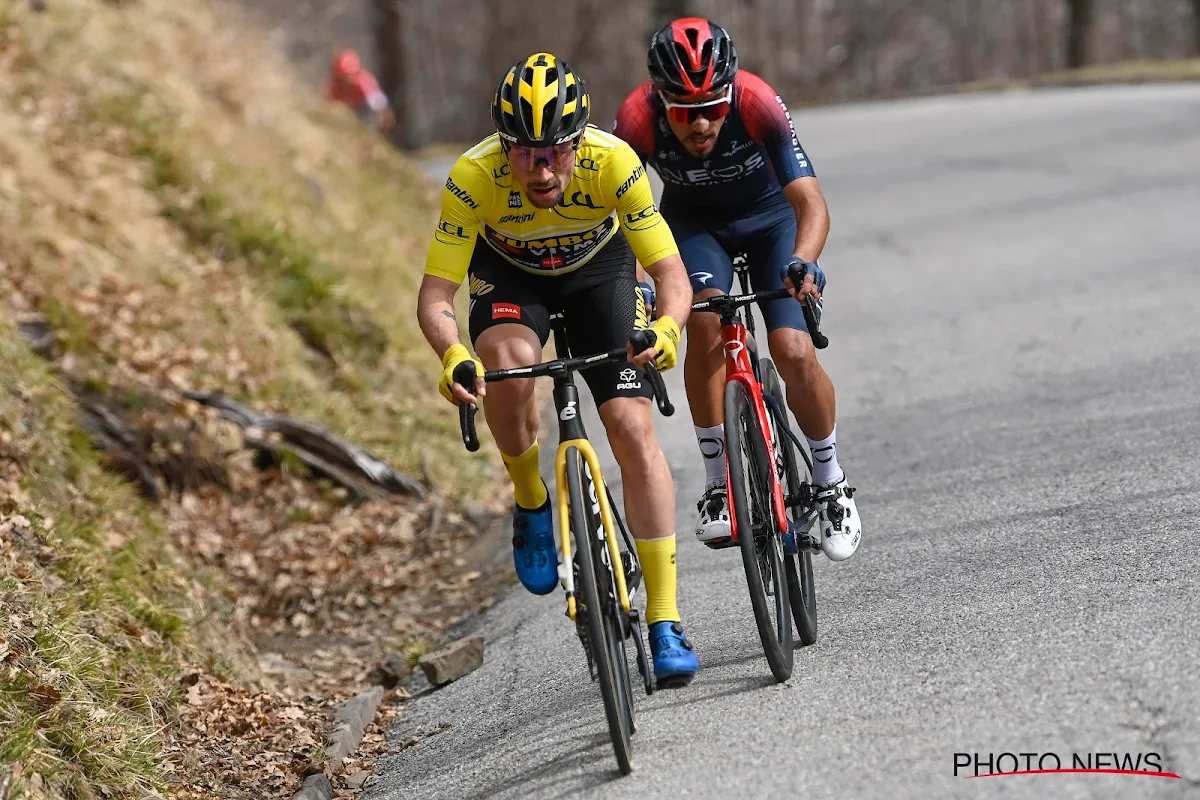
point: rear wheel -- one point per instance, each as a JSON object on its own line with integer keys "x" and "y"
{"x": 802, "y": 591}
{"x": 617, "y": 703}
{"x": 754, "y": 523}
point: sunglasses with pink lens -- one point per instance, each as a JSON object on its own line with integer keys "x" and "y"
{"x": 526, "y": 158}
{"x": 687, "y": 113}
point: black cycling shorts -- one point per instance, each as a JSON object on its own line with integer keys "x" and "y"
{"x": 600, "y": 304}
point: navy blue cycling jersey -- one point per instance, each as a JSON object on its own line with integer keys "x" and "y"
{"x": 756, "y": 153}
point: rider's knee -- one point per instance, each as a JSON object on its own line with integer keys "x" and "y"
{"x": 630, "y": 431}
{"x": 499, "y": 350}
{"x": 792, "y": 350}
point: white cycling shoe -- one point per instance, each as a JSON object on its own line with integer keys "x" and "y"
{"x": 840, "y": 525}
{"x": 713, "y": 527}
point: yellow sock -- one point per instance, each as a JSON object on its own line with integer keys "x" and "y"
{"x": 527, "y": 478}
{"x": 658, "y": 568}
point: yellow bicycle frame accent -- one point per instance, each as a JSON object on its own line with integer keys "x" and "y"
{"x": 606, "y": 518}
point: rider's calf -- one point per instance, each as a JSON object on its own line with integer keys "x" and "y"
{"x": 810, "y": 392}
{"x": 649, "y": 492}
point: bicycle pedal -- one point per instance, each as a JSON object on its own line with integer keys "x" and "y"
{"x": 720, "y": 544}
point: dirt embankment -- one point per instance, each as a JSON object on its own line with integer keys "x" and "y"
{"x": 182, "y": 606}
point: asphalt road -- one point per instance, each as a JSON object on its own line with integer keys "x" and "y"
{"x": 1014, "y": 311}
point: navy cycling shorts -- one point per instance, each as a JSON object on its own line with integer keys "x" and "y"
{"x": 767, "y": 238}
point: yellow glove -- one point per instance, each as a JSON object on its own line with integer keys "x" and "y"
{"x": 667, "y": 343}
{"x": 454, "y": 356}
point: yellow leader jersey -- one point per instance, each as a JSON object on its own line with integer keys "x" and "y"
{"x": 609, "y": 188}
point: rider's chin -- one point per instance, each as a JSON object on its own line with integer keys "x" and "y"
{"x": 544, "y": 197}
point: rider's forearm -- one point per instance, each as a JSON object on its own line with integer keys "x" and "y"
{"x": 812, "y": 217}
{"x": 435, "y": 314}
{"x": 672, "y": 289}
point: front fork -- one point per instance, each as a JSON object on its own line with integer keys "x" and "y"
{"x": 741, "y": 364}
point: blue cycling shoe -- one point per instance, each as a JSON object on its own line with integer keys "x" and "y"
{"x": 674, "y": 662}
{"x": 534, "y": 553}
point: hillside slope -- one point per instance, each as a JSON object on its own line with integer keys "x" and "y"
{"x": 181, "y": 212}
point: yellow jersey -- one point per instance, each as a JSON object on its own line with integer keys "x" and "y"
{"x": 609, "y": 189}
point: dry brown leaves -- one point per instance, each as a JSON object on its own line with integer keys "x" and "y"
{"x": 237, "y": 743}
{"x": 324, "y": 588}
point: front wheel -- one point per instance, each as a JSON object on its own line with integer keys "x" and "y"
{"x": 754, "y": 523}
{"x": 802, "y": 589}
{"x": 617, "y": 703}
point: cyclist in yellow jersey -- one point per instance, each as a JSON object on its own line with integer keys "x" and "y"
{"x": 546, "y": 216}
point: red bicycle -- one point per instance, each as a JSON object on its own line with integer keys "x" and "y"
{"x": 772, "y": 500}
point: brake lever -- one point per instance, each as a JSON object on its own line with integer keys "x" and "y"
{"x": 812, "y": 315}
{"x": 645, "y": 339}
{"x": 464, "y": 375}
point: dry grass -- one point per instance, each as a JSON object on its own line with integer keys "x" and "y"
{"x": 261, "y": 243}
{"x": 1144, "y": 71}
{"x": 185, "y": 213}
{"x": 91, "y": 627}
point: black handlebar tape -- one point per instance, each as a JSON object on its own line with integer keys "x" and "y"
{"x": 659, "y": 387}
{"x": 819, "y": 340}
{"x": 464, "y": 375}
{"x": 643, "y": 339}
{"x": 809, "y": 307}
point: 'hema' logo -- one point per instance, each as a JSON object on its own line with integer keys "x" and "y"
{"x": 461, "y": 193}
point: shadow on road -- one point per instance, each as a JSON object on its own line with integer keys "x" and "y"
{"x": 723, "y": 688}
{"x": 562, "y": 777}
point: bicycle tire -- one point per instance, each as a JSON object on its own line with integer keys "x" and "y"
{"x": 750, "y": 501}
{"x": 587, "y": 602}
{"x": 617, "y": 627}
{"x": 802, "y": 591}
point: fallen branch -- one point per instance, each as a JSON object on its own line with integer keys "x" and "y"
{"x": 337, "y": 459}
{"x": 117, "y": 443}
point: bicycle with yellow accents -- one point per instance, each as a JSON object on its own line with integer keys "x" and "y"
{"x": 592, "y": 535}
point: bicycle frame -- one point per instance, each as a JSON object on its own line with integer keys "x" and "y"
{"x": 741, "y": 365}
{"x": 571, "y": 434}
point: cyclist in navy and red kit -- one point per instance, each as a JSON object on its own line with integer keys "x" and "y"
{"x": 735, "y": 179}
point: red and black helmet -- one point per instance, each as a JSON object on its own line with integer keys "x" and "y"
{"x": 692, "y": 56}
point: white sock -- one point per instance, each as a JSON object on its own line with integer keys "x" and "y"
{"x": 825, "y": 464}
{"x": 712, "y": 447}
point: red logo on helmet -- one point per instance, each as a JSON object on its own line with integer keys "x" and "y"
{"x": 505, "y": 311}
{"x": 552, "y": 262}
{"x": 691, "y": 34}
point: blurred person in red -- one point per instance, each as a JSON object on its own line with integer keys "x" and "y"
{"x": 353, "y": 84}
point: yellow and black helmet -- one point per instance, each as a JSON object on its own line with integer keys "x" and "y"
{"x": 540, "y": 102}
